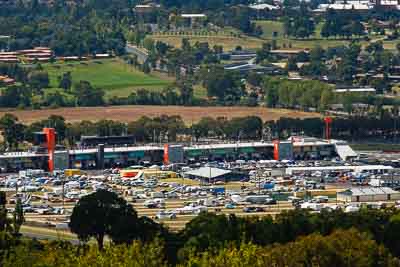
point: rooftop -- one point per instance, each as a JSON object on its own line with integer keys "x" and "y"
{"x": 368, "y": 191}
{"x": 207, "y": 172}
{"x": 193, "y": 16}
{"x": 263, "y": 6}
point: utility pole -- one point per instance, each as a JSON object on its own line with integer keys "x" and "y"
{"x": 63, "y": 190}
{"x": 209, "y": 177}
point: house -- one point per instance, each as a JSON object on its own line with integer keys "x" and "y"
{"x": 366, "y": 194}
{"x": 244, "y": 67}
{"x": 238, "y": 55}
{"x": 355, "y": 90}
{"x": 146, "y": 8}
{"x": 264, "y": 7}
{"x": 194, "y": 20}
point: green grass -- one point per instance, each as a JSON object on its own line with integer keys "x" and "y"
{"x": 269, "y": 27}
{"x": 199, "y": 91}
{"x": 112, "y": 75}
{"x": 230, "y": 41}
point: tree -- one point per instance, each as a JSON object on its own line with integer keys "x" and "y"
{"x": 326, "y": 98}
{"x": 12, "y": 130}
{"x": 38, "y": 80}
{"x": 66, "y": 81}
{"x": 86, "y": 95}
{"x": 16, "y": 96}
{"x": 392, "y": 235}
{"x": 186, "y": 92}
{"x": 222, "y": 84}
{"x": 100, "y": 214}
{"x": 18, "y": 217}
{"x": 348, "y": 103}
{"x": 4, "y": 221}
{"x": 291, "y": 64}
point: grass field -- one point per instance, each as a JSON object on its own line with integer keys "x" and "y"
{"x": 130, "y": 113}
{"x": 113, "y": 75}
{"x": 269, "y": 27}
{"x": 230, "y": 42}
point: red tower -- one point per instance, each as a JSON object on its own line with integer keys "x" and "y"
{"x": 166, "y": 154}
{"x": 51, "y": 145}
{"x": 276, "y": 149}
{"x": 328, "y": 122}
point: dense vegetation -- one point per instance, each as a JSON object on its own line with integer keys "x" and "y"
{"x": 172, "y": 128}
{"x": 69, "y": 29}
{"x": 293, "y": 238}
{"x": 85, "y": 28}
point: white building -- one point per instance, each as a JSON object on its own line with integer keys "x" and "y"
{"x": 368, "y": 194}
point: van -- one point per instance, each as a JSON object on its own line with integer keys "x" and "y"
{"x": 321, "y": 199}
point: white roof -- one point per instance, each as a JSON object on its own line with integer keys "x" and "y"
{"x": 345, "y": 151}
{"x": 193, "y": 15}
{"x": 344, "y": 90}
{"x": 116, "y": 149}
{"x": 147, "y": 6}
{"x": 290, "y": 170}
{"x": 21, "y": 155}
{"x": 208, "y": 172}
{"x": 349, "y": 6}
{"x": 263, "y": 6}
{"x": 368, "y": 191}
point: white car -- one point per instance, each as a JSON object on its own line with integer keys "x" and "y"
{"x": 351, "y": 209}
{"x": 165, "y": 215}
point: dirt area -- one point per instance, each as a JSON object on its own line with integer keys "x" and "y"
{"x": 130, "y": 113}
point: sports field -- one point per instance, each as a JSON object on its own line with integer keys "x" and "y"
{"x": 112, "y": 75}
{"x": 130, "y": 113}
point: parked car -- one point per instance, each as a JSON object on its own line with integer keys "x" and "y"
{"x": 230, "y": 206}
{"x": 165, "y": 215}
{"x": 249, "y": 209}
{"x": 259, "y": 209}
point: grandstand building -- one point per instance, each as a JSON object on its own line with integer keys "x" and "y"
{"x": 100, "y": 156}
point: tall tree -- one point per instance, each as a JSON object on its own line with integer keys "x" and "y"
{"x": 66, "y": 81}
{"x": 102, "y": 213}
{"x": 12, "y": 130}
{"x": 87, "y": 95}
{"x": 18, "y": 217}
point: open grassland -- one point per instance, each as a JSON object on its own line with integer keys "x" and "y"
{"x": 130, "y": 113}
{"x": 112, "y": 75}
{"x": 231, "y": 42}
{"x": 270, "y": 27}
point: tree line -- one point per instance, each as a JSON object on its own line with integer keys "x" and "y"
{"x": 173, "y": 128}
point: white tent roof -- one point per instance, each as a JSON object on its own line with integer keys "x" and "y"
{"x": 207, "y": 172}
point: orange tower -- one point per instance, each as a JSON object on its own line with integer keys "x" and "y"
{"x": 51, "y": 145}
{"x": 328, "y": 122}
